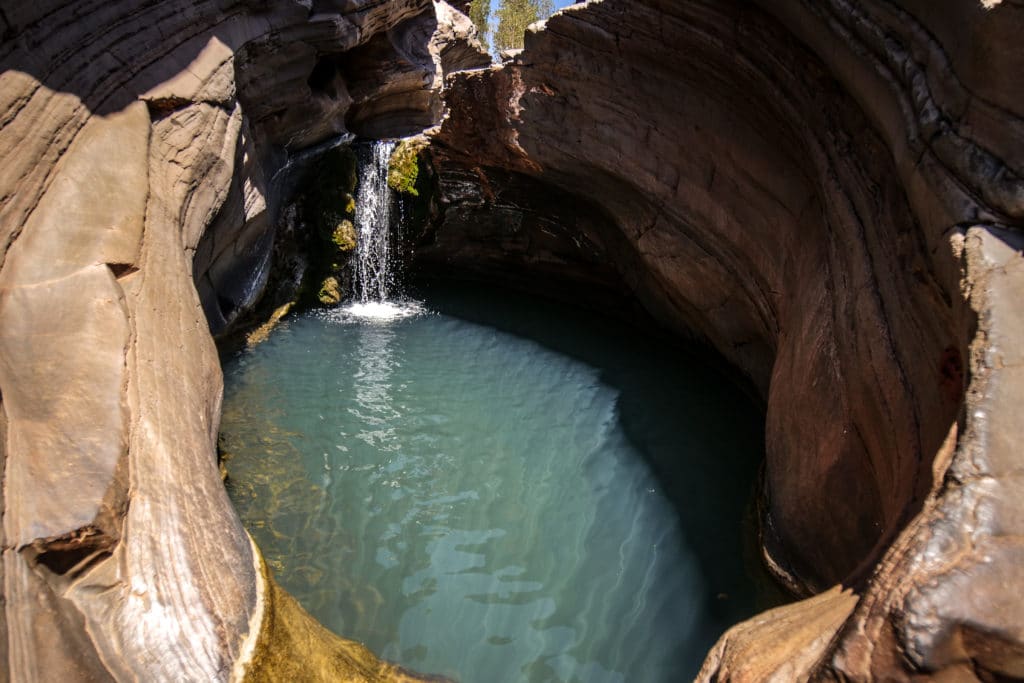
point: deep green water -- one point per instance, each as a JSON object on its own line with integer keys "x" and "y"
{"x": 501, "y": 489}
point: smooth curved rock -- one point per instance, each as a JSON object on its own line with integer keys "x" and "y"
{"x": 147, "y": 149}
{"x": 829, "y": 194}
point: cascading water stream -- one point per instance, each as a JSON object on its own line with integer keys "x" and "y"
{"x": 376, "y": 268}
{"x": 374, "y": 277}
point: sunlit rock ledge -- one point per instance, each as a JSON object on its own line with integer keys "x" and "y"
{"x": 828, "y": 193}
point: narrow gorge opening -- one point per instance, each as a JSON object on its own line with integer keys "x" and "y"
{"x": 489, "y": 485}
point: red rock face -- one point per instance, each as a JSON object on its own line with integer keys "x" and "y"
{"x": 807, "y": 189}
{"x": 829, "y": 193}
{"x": 145, "y": 149}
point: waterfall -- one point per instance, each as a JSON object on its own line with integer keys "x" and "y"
{"x": 375, "y": 278}
{"x": 377, "y": 294}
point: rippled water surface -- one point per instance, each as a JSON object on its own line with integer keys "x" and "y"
{"x": 498, "y": 489}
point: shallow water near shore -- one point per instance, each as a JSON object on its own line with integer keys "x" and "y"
{"x": 496, "y": 488}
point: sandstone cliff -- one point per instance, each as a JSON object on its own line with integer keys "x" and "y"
{"x": 147, "y": 146}
{"x": 831, "y": 195}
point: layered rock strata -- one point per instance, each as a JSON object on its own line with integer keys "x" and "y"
{"x": 831, "y": 195}
{"x": 146, "y": 148}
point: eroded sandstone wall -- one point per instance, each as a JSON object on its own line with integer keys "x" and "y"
{"x": 828, "y": 192}
{"x": 830, "y": 195}
{"x": 145, "y": 148}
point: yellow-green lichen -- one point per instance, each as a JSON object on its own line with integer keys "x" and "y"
{"x": 404, "y": 166}
{"x": 261, "y": 333}
{"x": 330, "y": 291}
{"x": 293, "y": 646}
{"x": 344, "y": 236}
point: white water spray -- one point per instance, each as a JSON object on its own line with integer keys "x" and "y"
{"x": 375, "y": 276}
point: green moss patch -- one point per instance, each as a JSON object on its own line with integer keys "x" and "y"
{"x": 404, "y": 167}
{"x": 328, "y": 207}
{"x": 344, "y": 237}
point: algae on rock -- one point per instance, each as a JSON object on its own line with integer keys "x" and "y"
{"x": 404, "y": 167}
{"x": 330, "y": 293}
{"x": 328, "y": 210}
{"x": 344, "y": 236}
{"x": 261, "y": 333}
{"x": 412, "y": 176}
{"x": 293, "y": 646}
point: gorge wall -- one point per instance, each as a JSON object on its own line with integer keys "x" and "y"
{"x": 829, "y": 193}
{"x": 147, "y": 148}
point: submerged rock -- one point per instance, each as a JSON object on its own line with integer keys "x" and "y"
{"x": 293, "y": 646}
{"x": 260, "y": 335}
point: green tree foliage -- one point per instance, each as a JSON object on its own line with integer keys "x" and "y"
{"x": 480, "y": 12}
{"x": 513, "y": 18}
